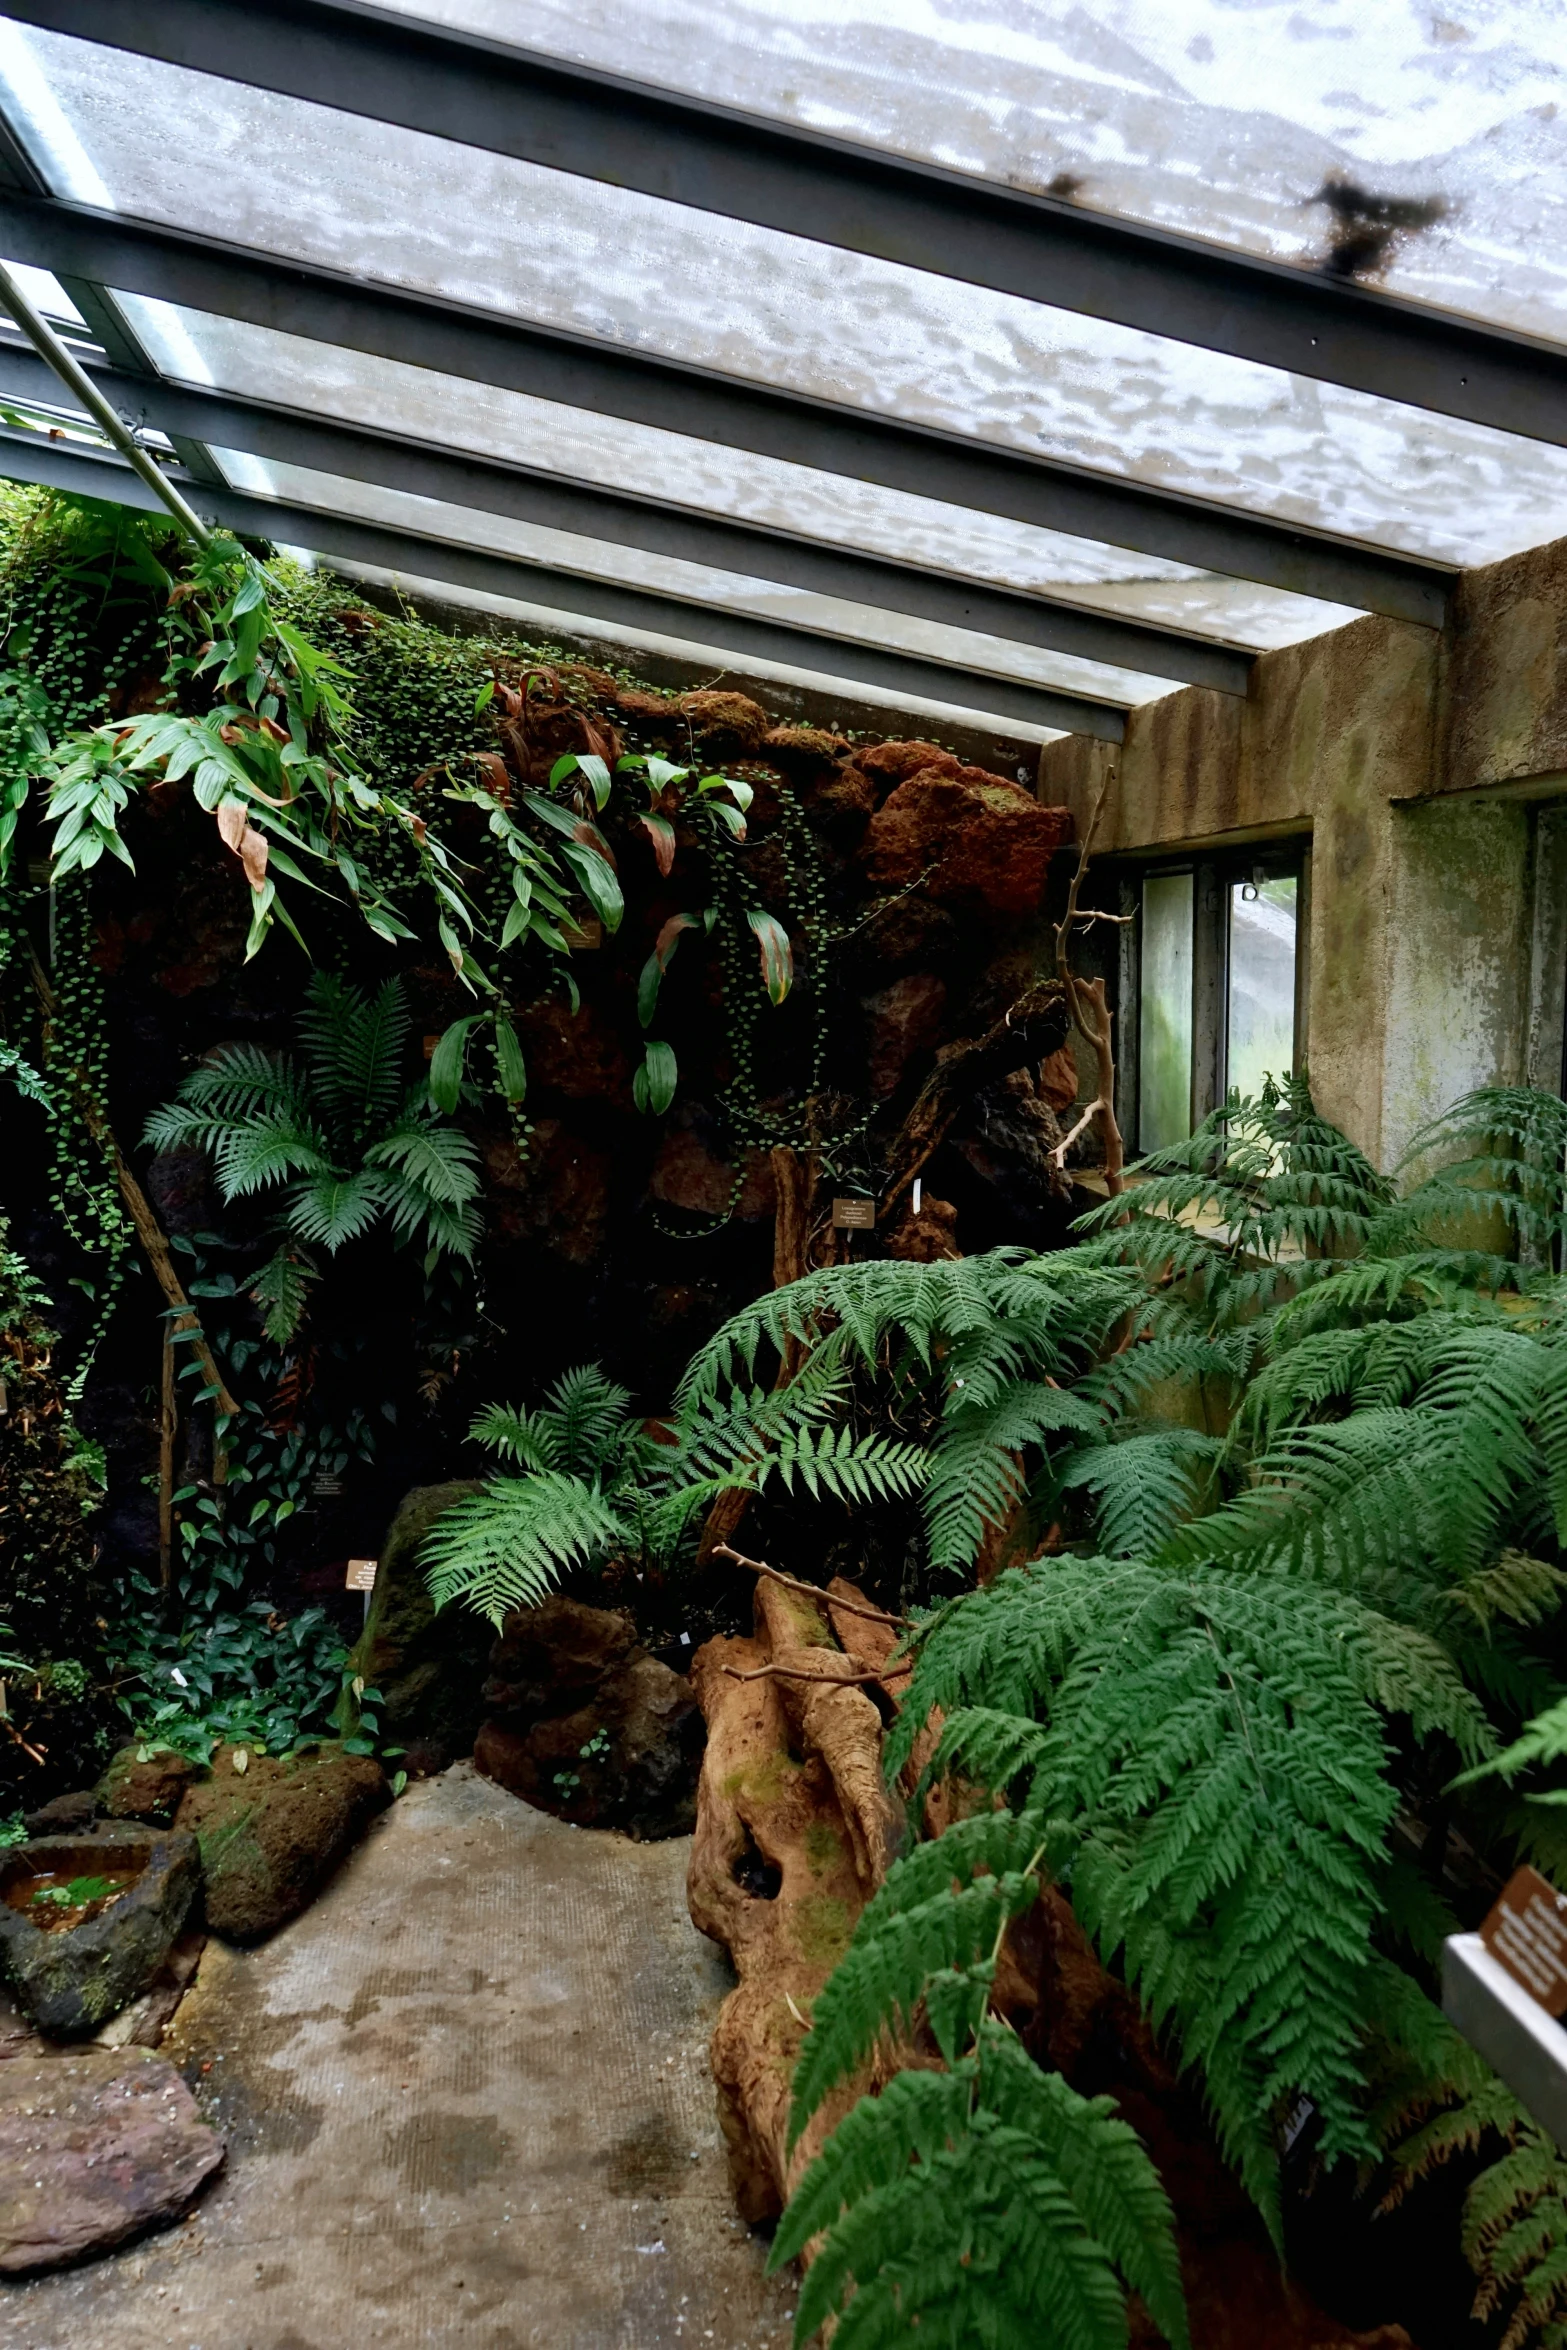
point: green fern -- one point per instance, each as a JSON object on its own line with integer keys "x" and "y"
{"x": 989, "y": 2201}
{"x": 340, "y": 1129}
{"x": 597, "y": 1482}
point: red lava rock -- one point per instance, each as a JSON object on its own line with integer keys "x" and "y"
{"x": 888, "y": 764}
{"x": 587, "y": 1724}
{"x": 841, "y": 804}
{"x": 575, "y": 1053}
{"x": 802, "y": 750}
{"x": 985, "y": 843}
{"x": 559, "y": 1194}
{"x": 94, "y": 2148}
{"x": 688, "y": 1173}
{"x": 905, "y": 1021}
{"x": 1055, "y": 1080}
{"x": 727, "y": 725}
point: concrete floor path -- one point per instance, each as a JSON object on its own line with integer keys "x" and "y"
{"x": 467, "y": 2104}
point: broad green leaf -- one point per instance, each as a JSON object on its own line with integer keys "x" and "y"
{"x": 777, "y": 954}
{"x": 446, "y": 1064}
{"x": 653, "y": 1086}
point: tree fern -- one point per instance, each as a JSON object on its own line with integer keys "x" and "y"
{"x": 988, "y": 2202}
{"x": 339, "y": 1129}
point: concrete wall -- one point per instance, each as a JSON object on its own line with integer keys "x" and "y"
{"x": 1413, "y": 762}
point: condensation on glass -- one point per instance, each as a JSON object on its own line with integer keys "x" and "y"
{"x": 1164, "y": 1018}
{"x": 1260, "y": 1021}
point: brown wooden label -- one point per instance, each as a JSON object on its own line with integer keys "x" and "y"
{"x": 854, "y": 1215}
{"x": 360, "y": 1575}
{"x": 1527, "y": 1934}
{"x": 582, "y": 935}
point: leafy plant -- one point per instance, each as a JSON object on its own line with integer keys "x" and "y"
{"x": 599, "y": 1483}
{"x": 339, "y": 1127}
{"x": 1308, "y": 1513}
{"x": 987, "y": 2202}
{"x": 78, "y": 1893}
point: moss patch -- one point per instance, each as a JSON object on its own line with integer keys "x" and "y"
{"x": 822, "y": 1928}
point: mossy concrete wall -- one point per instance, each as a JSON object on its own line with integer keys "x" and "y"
{"x": 1408, "y": 759}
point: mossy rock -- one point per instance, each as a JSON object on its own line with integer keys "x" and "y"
{"x": 429, "y": 1665}
{"x": 272, "y": 1831}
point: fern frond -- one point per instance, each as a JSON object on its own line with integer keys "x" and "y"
{"x": 587, "y": 1414}
{"x": 332, "y": 1209}
{"x": 280, "y": 1289}
{"x": 355, "y": 1046}
{"x": 508, "y": 1546}
{"x": 1143, "y": 1486}
{"x": 528, "y": 1439}
{"x": 940, "y": 1908}
{"x": 437, "y": 1162}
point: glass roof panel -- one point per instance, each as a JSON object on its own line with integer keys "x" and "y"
{"x": 1280, "y": 126}
{"x": 415, "y": 211}
{"x": 763, "y": 599}
{"x": 324, "y": 380}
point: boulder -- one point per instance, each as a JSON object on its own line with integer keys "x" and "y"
{"x": 64, "y": 1814}
{"x": 840, "y": 805}
{"x": 981, "y": 843}
{"x": 95, "y": 2147}
{"x": 586, "y": 1724}
{"x": 693, "y": 1170}
{"x": 146, "y": 1783}
{"x": 889, "y": 764}
{"x": 428, "y": 1664}
{"x": 70, "y": 1979}
{"x": 272, "y": 1834}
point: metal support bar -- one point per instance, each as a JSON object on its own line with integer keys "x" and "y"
{"x": 390, "y": 67}
{"x": 28, "y": 456}
{"x": 82, "y": 388}
{"x": 621, "y": 518}
{"x": 425, "y": 330}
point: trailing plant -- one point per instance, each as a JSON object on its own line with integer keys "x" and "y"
{"x": 352, "y": 1141}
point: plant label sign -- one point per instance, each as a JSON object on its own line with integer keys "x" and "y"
{"x": 854, "y": 1215}
{"x": 1527, "y": 1934}
{"x": 360, "y": 1576}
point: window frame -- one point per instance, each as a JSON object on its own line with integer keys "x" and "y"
{"x": 1214, "y": 873}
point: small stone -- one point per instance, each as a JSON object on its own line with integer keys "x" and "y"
{"x": 94, "y": 2149}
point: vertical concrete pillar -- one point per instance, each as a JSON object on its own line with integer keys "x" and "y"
{"x": 1458, "y": 962}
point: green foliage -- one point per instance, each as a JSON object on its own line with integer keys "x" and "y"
{"x": 599, "y": 1483}
{"x": 1304, "y": 1450}
{"x": 238, "y": 1674}
{"x": 988, "y": 2202}
{"x": 353, "y": 1144}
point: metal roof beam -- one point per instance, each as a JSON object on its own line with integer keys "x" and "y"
{"x": 484, "y": 93}
{"x": 580, "y": 371}
{"x": 26, "y": 456}
{"x": 622, "y": 519}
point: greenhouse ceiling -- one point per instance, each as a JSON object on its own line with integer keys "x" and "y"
{"x": 1024, "y": 360}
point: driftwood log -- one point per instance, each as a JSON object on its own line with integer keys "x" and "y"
{"x": 795, "y": 1831}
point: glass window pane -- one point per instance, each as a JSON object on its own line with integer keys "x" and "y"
{"x": 1261, "y": 1031}
{"x": 1164, "y": 1017}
